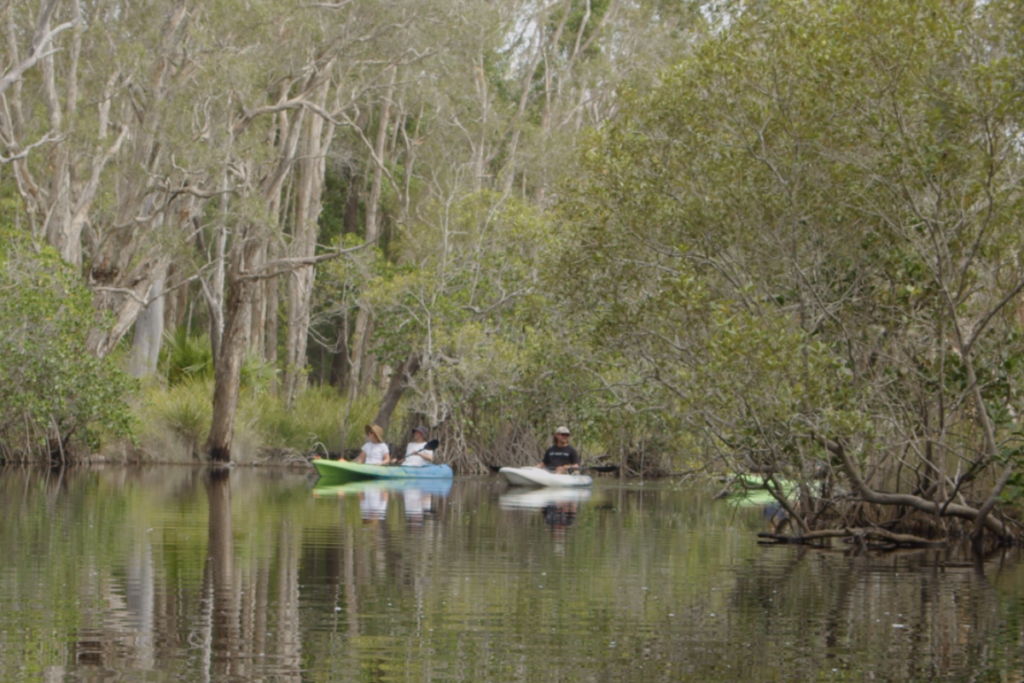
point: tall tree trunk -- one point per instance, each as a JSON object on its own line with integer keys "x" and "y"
{"x": 58, "y": 219}
{"x": 123, "y": 257}
{"x": 213, "y": 292}
{"x": 149, "y": 333}
{"x": 339, "y": 359}
{"x": 524, "y": 98}
{"x": 270, "y": 343}
{"x": 358, "y": 345}
{"x": 400, "y": 380}
{"x": 246, "y": 249}
{"x": 176, "y": 301}
{"x": 316, "y": 141}
{"x": 259, "y": 313}
{"x": 102, "y": 340}
{"x": 289, "y": 129}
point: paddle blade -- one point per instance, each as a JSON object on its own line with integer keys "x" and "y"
{"x": 431, "y": 445}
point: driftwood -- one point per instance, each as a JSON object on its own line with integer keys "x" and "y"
{"x": 865, "y": 537}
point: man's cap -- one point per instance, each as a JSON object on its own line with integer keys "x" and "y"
{"x": 562, "y": 430}
{"x": 422, "y": 430}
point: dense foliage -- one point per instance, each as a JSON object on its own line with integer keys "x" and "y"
{"x": 806, "y": 245}
{"x": 779, "y": 237}
{"x": 55, "y": 397}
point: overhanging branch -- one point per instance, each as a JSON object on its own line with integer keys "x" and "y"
{"x": 287, "y": 265}
{"x": 869, "y": 495}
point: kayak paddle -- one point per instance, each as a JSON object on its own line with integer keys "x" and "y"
{"x": 428, "y": 446}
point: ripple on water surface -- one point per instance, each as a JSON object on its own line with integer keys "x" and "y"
{"x": 167, "y": 574}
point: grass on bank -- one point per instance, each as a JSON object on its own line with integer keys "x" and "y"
{"x": 175, "y": 410}
{"x": 175, "y": 421}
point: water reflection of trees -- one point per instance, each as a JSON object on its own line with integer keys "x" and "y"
{"x": 226, "y": 577}
{"x": 195, "y": 600}
{"x": 251, "y": 629}
{"x": 906, "y": 616}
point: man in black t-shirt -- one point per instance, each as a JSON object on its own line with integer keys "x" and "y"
{"x": 561, "y": 457}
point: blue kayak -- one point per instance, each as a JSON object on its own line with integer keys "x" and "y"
{"x": 343, "y": 470}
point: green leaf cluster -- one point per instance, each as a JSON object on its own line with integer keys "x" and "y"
{"x": 797, "y": 231}
{"x": 50, "y": 386}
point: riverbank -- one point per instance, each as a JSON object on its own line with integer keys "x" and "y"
{"x": 174, "y": 422}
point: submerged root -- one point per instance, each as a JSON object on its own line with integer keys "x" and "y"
{"x": 867, "y": 538}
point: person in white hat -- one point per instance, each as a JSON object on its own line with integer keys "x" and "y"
{"x": 561, "y": 458}
{"x": 375, "y": 451}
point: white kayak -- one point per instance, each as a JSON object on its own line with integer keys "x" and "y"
{"x": 538, "y": 476}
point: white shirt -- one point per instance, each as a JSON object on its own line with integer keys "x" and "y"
{"x": 416, "y": 460}
{"x": 375, "y": 452}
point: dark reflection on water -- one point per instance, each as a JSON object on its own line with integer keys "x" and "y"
{"x": 181, "y": 574}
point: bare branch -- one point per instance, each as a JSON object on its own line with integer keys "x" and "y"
{"x": 869, "y": 495}
{"x": 39, "y": 41}
{"x": 287, "y": 265}
{"x": 327, "y": 5}
{"x": 48, "y": 138}
{"x": 983, "y": 323}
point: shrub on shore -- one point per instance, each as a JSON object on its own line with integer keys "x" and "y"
{"x": 56, "y": 399}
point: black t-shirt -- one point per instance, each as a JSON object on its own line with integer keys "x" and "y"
{"x": 556, "y": 456}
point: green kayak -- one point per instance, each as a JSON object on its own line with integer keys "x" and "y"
{"x": 340, "y": 471}
{"x": 750, "y": 490}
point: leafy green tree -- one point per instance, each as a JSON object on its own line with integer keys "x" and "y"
{"x": 56, "y": 398}
{"x": 803, "y": 247}
{"x": 465, "y": 307}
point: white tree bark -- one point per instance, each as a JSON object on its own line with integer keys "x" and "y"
{"x": 311, "y": 169}
{"x": 40, "y": 47}
{"x": 149, "y": 332}
{"x": 358, "y": 346}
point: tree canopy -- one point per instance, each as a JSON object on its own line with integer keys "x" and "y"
{"x": 805, "y": 243}
{"x": 779, "y": 237}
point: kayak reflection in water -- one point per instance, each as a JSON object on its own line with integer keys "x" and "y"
{"x": 561, "y": 458}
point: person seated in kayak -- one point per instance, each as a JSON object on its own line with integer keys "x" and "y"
{"x": 561, "y": 458}
{"x": 375, "y": 451}
{"x": 415, "y": 453}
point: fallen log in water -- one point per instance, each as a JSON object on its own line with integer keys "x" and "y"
{"x": 866, "y": 537}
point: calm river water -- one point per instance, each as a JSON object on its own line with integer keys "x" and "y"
{"x": 167, "y": 574}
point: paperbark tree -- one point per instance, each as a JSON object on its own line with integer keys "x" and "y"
{"x": 149, "y": 330}
{"x": 243, "y": 259}
{"x": 358, "y": 347}
{"x": 317, "y": 137}
{"x": 84, "y": 150}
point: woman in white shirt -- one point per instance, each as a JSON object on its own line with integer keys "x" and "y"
{"x": 375, "y": 451}
{"x": 422, "y": 458}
